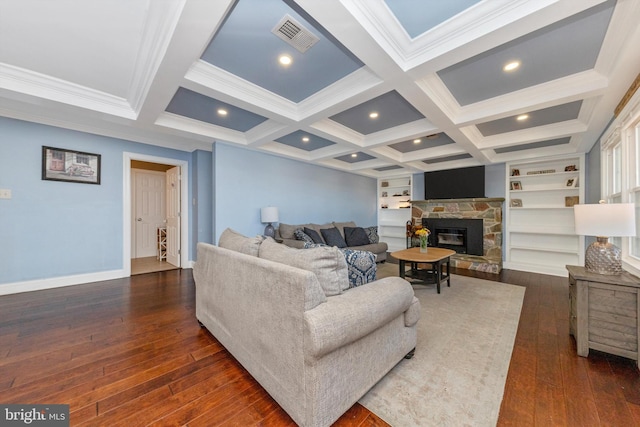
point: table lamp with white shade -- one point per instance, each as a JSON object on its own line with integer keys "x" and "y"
{"x": 269, "y": 215}
{"x": 604, "y": 221}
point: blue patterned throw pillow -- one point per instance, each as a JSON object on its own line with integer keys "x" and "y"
{"x": 361, "y": 265}
{"x": 372, "y": 234}
{"x": 301, "y": 235}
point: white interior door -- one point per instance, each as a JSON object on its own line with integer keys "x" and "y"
{"x": 173, "y": 216}
{"x": 149, "y": 211}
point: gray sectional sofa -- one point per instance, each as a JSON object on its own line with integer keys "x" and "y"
{"x": 286, "y": 232}
{"x": 289, "y": 317}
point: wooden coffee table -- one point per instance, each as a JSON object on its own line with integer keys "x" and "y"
{"x": 436, "y": 257}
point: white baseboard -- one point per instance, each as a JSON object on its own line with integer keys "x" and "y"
{"x": 59, "y": 282}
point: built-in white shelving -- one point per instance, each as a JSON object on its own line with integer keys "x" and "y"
{"x": 539, "y": 224}
{"x": 394, "y": 210}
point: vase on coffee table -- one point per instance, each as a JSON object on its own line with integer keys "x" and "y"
{"x": 423, "y": 244}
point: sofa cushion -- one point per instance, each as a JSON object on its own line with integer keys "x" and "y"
{"x": 332, "y": 237}
{"x": 287, "y": 231}
{"x": 361, "y": 266}
{"x": 326, "y": 262}
{"x": 315, "y": 236}
{"x": 341, "y": 225}
{"x": 372, "y": 233}
{"x": 355, "y": 236}
{"x": 231, "y": 239}
{"x": 301, "y": 235}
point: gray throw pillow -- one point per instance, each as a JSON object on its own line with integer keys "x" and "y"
{"x": 231, "y": 239}
{"x": 326, "y": 262}
{"x": 315, "y": 236}
{"x": 332, "y": 237}
{"x": 355, "y": 236}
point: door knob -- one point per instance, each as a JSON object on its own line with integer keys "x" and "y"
{"x": 139, "y": 219}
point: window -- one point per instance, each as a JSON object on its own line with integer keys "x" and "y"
{"x": 621, "y": 174}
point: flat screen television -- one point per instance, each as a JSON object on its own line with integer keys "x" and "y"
{"x": 463, "y": 183}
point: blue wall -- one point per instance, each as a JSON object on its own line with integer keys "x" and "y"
{"x": 54, "y": 229}
{"x": 246, "y": 181}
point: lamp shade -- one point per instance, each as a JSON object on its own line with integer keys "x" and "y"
{"x": 269, "y": 214}
{"x": 606, "y": 220}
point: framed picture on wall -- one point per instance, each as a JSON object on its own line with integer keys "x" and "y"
{"x": 515, "y": 185}
{"x": 59, "y": 164}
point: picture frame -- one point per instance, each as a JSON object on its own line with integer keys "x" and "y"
{"x": 384, "y": 194}
{"x": 515, "y": 172}
{"x": 571, "y": 182}
{"x": 516, "y": 185}
{"x": 516, "y": 203}
{"x": 570, "y": 201}
{"x": 61, "y": 164}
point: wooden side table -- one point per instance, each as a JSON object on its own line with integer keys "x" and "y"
{"x": 604, "y": 312}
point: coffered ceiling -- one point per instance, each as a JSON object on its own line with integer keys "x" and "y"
{"x": 373, "y": 87}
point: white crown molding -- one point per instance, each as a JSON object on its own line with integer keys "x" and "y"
{"x": 185, "y": 124}
{"x": 563, "y": 90}
{"x": 37, "y": 85}
{"x": 526, "y": 136}
{"x": 220, "y": 84}
{"x": 336, "y": 130}
{"x": 474, "y": 23}
{"x": 160, "y": 24}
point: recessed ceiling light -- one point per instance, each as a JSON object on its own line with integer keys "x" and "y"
{"x": 222, "y": 112}
{"x": 417, "y": 141}
{"x": 285, "y": 60}
{"x": 354, "y": 155}
{"x": 522, "y": 117}
{"x": 305, "y": 139}
{"x": 510, "y": 66}
{"x": 373, "y": 115}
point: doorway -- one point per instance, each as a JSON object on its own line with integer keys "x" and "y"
{"x": 149, "y": 199}
{"x": 155, "y": 193}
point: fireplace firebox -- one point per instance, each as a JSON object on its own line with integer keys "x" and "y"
{"x": 465, "y": 236}
{"x": 452, "y": 238}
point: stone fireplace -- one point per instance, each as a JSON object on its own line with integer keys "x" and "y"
{"x": 471, "y": 227}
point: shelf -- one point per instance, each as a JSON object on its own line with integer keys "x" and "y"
{"x": 392, "y": 220}
{"x": 536, "y": 190}
{"x": 528, "y": 208}
{"x": 540, "y": 234}
{"x": 563, "y": 231}
{"x": 537, "y": 249}
{"x": 539, "y": 175}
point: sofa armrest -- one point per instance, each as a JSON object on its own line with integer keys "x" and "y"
{"x": 345, "y": 318}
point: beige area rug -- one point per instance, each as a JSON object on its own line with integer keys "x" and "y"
{"x": 457, "y": 376}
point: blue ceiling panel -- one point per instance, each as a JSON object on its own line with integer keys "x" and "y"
{"x": 245, "y": 46}
{"x": 558, "y": 50}
{"x": 393, "y": 110}
{"x": 419, "y": 16}
{"x": 545, "y": 116}
{"x": 296, "y": 139}
{"x": 360, "y": 157}
{"x": 200, "y": 107}
{"x": 430, "y": 141}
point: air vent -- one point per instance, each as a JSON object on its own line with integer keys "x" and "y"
{"x": 292, "y": 32}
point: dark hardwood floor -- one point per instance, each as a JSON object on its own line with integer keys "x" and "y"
{"x": 129, "y": 352}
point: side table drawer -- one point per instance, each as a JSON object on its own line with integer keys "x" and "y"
{"x": 613, "y": 319}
